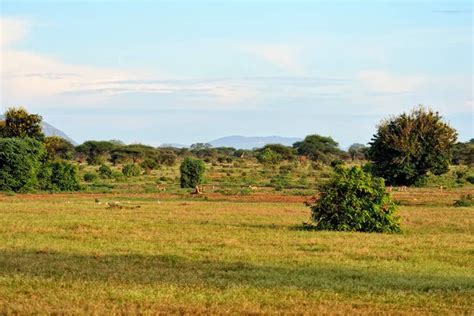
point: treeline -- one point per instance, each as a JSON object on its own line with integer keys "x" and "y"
{"x": 403, "y": 151}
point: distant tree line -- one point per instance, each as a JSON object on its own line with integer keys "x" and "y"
{"x": 403, "y": 151}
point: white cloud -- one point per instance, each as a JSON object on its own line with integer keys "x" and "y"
{"x": 27, "y": 77}
{"x": 12, "y": 30}
{"x": 283, "y": 56}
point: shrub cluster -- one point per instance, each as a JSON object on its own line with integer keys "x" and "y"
{"x": 354, "y": 200}
{"x": 192, "y": 171}
{"x": 131, "y": 170}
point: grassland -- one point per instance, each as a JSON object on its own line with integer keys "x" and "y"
{"x": 70, "y": 253}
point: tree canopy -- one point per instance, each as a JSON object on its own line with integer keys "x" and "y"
{"x": 407, "y": 147}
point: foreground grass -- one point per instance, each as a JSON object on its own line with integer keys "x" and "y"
{"x": 67, "y": 253}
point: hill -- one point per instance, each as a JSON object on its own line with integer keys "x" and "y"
{"x": 50, "y": 130}
{"x": 243, "y": 142}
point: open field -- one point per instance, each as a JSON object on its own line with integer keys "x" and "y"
{"x": 69, "y": 253}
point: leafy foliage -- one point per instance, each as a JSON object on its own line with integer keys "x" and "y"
{"x": 318, "y": 147}
{"x": 58, "y": 147}
{"x": 192, "y": 172}
{"x": 357, "y": 151}
{"x": 131, "y": 170}
{"x": 465, "y": 201}
{"x": 269, "y": 157}
{"x": 354, "y": 200}
{"x": 149, "y": 164}
{"x": 406, "y": 147}
{"x": 96, "y": 151}
{"x": 20, "y": 162}
{"x": 105, "y": 172}
{"x": 90, "y": 176}
{"x": 19, "y": 123}
{"x": 59, "y": 176}
{"x": 463, "y": 153}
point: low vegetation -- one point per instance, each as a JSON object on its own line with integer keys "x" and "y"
{"x": 354, "y": 200}
{"x": 114, "y": 241}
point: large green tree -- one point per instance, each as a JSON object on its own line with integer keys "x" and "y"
{"x": 96, "y": 152}
{"x": 407, "y": 147}
{"x": 317, "y": 147}
{"x": 21, "y": 160}
{"x": 19, "y": 123}
{"x": 192, "y": 172}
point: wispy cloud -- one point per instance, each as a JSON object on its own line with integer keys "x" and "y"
{"x": 384, "y": 82}
{"x": 29, "y": 76}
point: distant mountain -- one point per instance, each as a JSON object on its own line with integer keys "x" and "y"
{"x": 50, "y": 130}
{"x": 173, "y": 145}
{"x": 243, "y": 142}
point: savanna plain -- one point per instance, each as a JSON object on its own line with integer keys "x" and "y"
{"x": 131, "y": 251}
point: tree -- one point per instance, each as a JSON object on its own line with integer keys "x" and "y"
{"x": 285, "y": 152}
{"x": 268, "y": 157}
{"x": 463, "y": 153}
{"x": 354, "y": 200}
{"x": 19, "y": 123}
{"x": 149, "y": 164}
{"x": 199, "y": 146}
{"x": 105, "y": 172}
{"x": 95, "y": 151}
{"x": 131, "y": 170}
{"x": 318, "y": 147}
{"x": 59, "y": 176}
{"x": 20, "y": 162}
{"x": 357, "y": 151}
{"x": 58, "y": 147}
{"x": 407, "y": 147}
{"x": 192, "y": 172}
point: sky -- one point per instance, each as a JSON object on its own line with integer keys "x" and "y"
{"x": 191, "y": 71}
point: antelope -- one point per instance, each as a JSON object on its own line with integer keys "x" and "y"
{"x": 161, "y": 187}
{"x": 402, "y": 188}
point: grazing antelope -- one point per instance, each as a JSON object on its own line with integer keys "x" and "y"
{"x": 251, "y": 187}
{"x": 402, "y": 188}
{"x": 197, "y": 191}
{"x": 161, "y": 187}
{"x": 389, "y": 189}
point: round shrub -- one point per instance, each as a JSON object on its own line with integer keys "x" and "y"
{"x": 20, "y": 162}
{"x": 149, "y": 164}
{"x": 354, "y": 200}
{"x": 192, "y": 171}
{"x": 89, "y": 177}
{"x": 131, "y": 170}
{"x": 105, "y": 172}
{"x": 60, "y": 176}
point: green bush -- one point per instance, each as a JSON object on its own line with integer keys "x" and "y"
{"x": 20, "y": 163}
{"x": 89, "y": 177}
{"x": 465, "y": 201}
{"x": 354, "y": 200}
{"x": 269, "y": 157}
{"x": 192, "y": 172}
{"x": 149, "y": 164}
{"x": 105, "y": 172}
{"x": 131, "y": 170}
{"x": 407, "y": 147}
{"x": 59, "y": 176}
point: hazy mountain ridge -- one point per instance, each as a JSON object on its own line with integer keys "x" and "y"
{"x": 50, "y": 130}
{"x": 245, "y": 142}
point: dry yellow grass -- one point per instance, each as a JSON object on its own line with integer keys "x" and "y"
{"x": 69, "y": 254}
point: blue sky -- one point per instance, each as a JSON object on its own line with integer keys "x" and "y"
{"x": 191, "y": 71}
